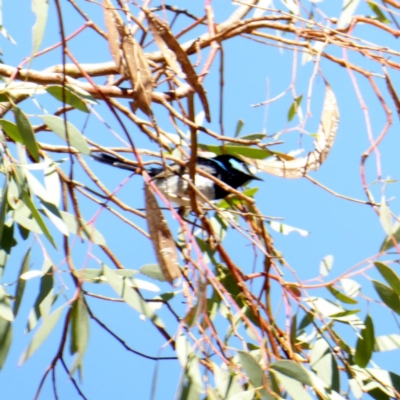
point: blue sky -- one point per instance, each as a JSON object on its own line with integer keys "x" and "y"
{"x": 349, "y": 231}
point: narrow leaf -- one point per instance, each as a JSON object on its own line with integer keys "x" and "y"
{"x": 294, "y": 107}
{"x": 326, "y": 265}
{"x": 385, "y": 217}
{"x": 388, "y": 296}
{"x": 70, "y": 97}
{"x": 153, "y": 271}
{"x": 19, "y": 291}
{"x": 130, "y": 295}
{"x": 341, "y": 296}
{"x": 365, "y": 344}
{"x": 239, "y": 127}
{"x": 11, "y": 130}
{"x": 5, "y": 306}
{"x": 42, "y": 333}
{"x": 292, "y": 370}
{"x": 35, "y": 214}
{"x": 5, "y": 340}
{"x": 378, "y": 12}
{"x": 75, "y": 138}
{"x": 26, "y": 132}
{"x": 40, "y": 8}
{"x": 387, "y": 342}
{"x": 390, "y": 276}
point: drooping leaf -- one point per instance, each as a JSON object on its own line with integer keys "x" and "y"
{"x": 387, "y": 342}
{"x": 40, "y": 8}
{"x": 292, "y": 370}
{"x": 326, "y": 265}
{"x": 246, "y": 151}
{"x": 239, "y": 127}
{"x": 11, "y": 130}
{"x": 79, "y": 331}
{"x": 379, "y": 13}
{"x": 294, "y": 107}
{"x": 85, "y": 230}
{"x": 5, "y": 340}
{"x": 388, "y": 296}
{"x": 42, "y": 333}
{"x": 341, "y": 296}
{"x": 286, "y": 229}
{"x": 70, "y": 97}
{"x": 129, "y": 295}
{"x": 385, "y": 217}
{"x": 348, "y": 10}
{"x": 26, "y": 133}
{"x": 19, "y": 291}
{"x": 253, "y": 370}
{"x": 75, "y": 138}
{"x": 36, "y": 215}
{"x": 153, "y": 271}
{"x": 389, "y": 275}
{"x": 365, "y": 344}
{"x": 5, "y": 306}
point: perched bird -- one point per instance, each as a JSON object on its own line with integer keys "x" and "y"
{"x": 228, "y": 169}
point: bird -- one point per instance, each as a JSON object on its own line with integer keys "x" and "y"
{"x": 227, "y": 168}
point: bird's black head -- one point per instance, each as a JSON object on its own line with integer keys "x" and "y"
{"x": 235, "y": 166}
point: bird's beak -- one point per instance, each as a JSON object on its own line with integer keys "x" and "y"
{"x": 256, "y": 178}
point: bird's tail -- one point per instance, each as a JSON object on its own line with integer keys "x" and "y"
{"x": 111, "y": 160}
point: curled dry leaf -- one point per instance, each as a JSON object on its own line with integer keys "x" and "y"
{"x": 133, "y": 62}
{"x": 161, "y": 237}
{"x": 162, "y": 33}
{"x": 326, "y": 135}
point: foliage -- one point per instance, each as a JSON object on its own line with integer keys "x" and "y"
{"x": 237, "y": 332}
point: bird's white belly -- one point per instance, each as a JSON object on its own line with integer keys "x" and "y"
{"x": 176, "y": 189}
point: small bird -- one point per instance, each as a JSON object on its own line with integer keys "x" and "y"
{"x": 228, "y": 169}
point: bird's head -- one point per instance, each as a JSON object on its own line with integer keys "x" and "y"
{"x": 235, "y": 165}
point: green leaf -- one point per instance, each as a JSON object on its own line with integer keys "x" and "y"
{"x": 326, "y": 265}
{"x": 54, "y": 215}
{"x": 5, "y": 306}
{"x": 246, "y": 151}
{"x": 323, "y": 363}
{"x": 365, "y": 344}
{"x": 11, "y": 130}
{"x": 254, "y": 136}
{"x": 76, "y": 139}
{"x": 387, "y": 342}
{"x": 44, "y": 299}
{"x": 385, "y": 217}
{"x": 341, "y": 296}
{"x": 19, "y": 291}
{"x": 294, "y": 108}
{"x": 388, "y": 296}
{"x": 70, "y": 98}
{"x": 40, "y": 8}
{"x": 239, "y": 127}
{"x": 35, "y": 214}
{"x": 349, "y": 8}
{"x": 79, "y": 331}
{"x": 27, "y": 134}
{"x": 388, "y": 242}
{"x": 42, "y": 333}
{"x": 389, "y": 275}
{"x": 292, "y": 370}
{"x": 129, "y": 295}
{"x": 85, "y": 231}
{"x": 3, "y": 205}
{"x": 96, "y": 275}
{"x": 5, "y": 340}
{"x": 286, "y": 229}
{"x": 153, "y": 271}
{"x": 293, "y": 387}
{"x": 378, "y": 12}
{"x": 253, "y": 370}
